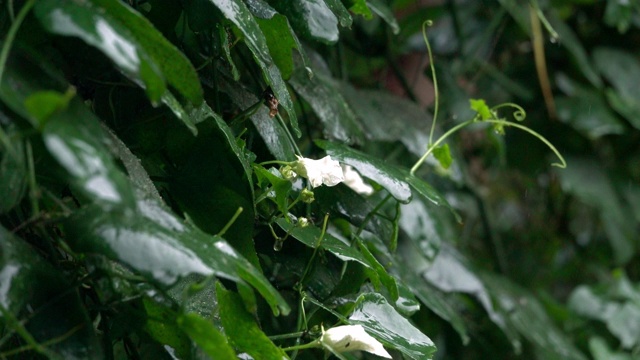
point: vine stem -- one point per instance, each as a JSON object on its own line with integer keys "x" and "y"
{"x": 11, "y": 35}
{"x": 311, "y": 345}
{"x": 434, "y": 77}
{"x": 562, "y": 164}
{"x": 438, "y": 142}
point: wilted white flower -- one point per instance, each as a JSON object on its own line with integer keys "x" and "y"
{"x": 324, "y": 171}
{"x": 350, "y": 338}
{"x": 353, "y": 180}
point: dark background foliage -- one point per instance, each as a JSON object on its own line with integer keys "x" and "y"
{"x": 143, "y": 215}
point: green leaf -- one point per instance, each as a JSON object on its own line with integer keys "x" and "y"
{"x": 163, "y": 248}
{"x": 387, "y": 280}
{"x": 310, "y": 18}
{"x": 525, "y": 313}
{"x": 13, "y": 171}
{"x": 393, "y": 179}
{"x": 161, "y": 325}
{"x": 570, "y": 41}
{"x": 388, "y": 117}
{"x": 128, "y": 39}
{"x": 397, "y": 181}
{"x": 281, "y": 41}
{"x": 340, "y": 12}
{"x": 206, "y": 336}
{"x": 622, "y": 70}
{"x": 443, "y": 155}
{"x": 238, "y": 13}
{"x": 589, "y": 182}
{"x": 281, "y": 187}
{"x": 481, "y": 107}
{"x": 309, "y": 236}
{"x": 600, "y": 350}
{"x": 359, "y": 7}
{"x": 37, "y": 299}
{"x": 383, "y": 322}
{"x": 381, "y": 9}
{"x": 331, "y": 108}
{"x": 41, "y": 105}
{"x": 451, "y": 273}
{"x": 586, "y": 110}
{"x": 211, "y": 192}
{"x": 178, "y": 110}
{"x": 242, "y": 330}
{"x": 271, "y": 131}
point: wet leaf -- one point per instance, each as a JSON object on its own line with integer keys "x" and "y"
{"x": 206, "y": 336}
{"x": 214, "y": 182}
{"x": 359, "y": 7}
{"x": 238, "y": 13}
{"x": 242, "y": 330}
{"x": 13, "y": 172}
{"x": 383, "y": 322}
{"x": 525, "y": 313}
{"x": 340, "y": 11}
{"x": 571, "y": 42}
{"x": 280, "y": 186}
{"x": 281, "y": 42}
{"x": 163, "y": 248}
{"x": 393, "y": 179}
{"x": 128, "y": 39}
{"x": 309, "y": 236}
{"x": 382, "y": 9}
{"x": 443, "y": 155}
{"x": 622, "y": 70}
{"x": 161, "y": 325}
{"x": 590, "y": 183}
{"x": 586, "y": 110}
{"x": 35, "y": 295}
{"x": 331, "y": 108}
{"x": 271, "y": 131}
{"x": 387, "y": 117}
{"x": 41, "y": 105}
{"x": 312, "y": 19}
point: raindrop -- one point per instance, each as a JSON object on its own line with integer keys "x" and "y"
{"x": 277, "y": 246}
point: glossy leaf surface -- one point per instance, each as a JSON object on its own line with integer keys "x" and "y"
{"x": 35, "y": 296}
{"x": 309, "y": 236}
{"x": 381, "y": 320}
{"x": 311, "y": 18}
{"x": 242, "y": 330}
{"x": 128, "y": 39}
{"x": 205, "y": 334}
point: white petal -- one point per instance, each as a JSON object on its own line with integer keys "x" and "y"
{"x": 351, "y": 338}
{"x": 324, "y": 171}
{"x": 353, "y": 180}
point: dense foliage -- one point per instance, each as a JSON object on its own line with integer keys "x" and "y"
{"x": 159, "y": 198}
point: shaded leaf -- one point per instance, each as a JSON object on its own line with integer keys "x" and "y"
{"x": 41, "y": 105}
{"x": 586, "y": 110}
{"x": 238, "y": 13}
{"x": 162, "y": 248}
{"x": 622, "y": 70}
{"x": 161, "y": 325}
{"x": 280, "y": 186}
{"x": 590, "y": 183}
{"x": 281, "y": 41}
{"x": 331, "y": 108}
{"x": 36, "y": 296}
{"x": 271, "y": 131}
{"x": 381, "y": 320}
{"x": 388, "y": 117}
{"x": 206, "y": 336}
{"x": 309, "y": 236}
{"x": 340, "y": 12}
{"x": 13, "y": 172}
{"x": 242, "y": 330}
{"x": 128, "y": 39}
{"x": 382, "y": 9}
{"x": 312, "y": 19}
{"x": 524, "y": 313}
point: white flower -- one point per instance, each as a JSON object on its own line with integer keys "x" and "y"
{"x": 350, "y": 338}
{"x": 353, "y": 180}
{"x": 324, "y": 171}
